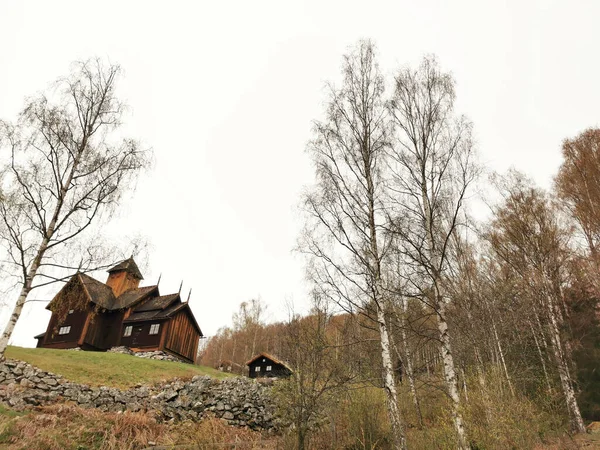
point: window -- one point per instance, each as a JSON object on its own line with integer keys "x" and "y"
{"x": 257, "y": 369}
{"x": 71, "y": 311}
{"x": 154, "y": 328}
{"x": 64, "y": 330}
{"x": 127, "y": 331}
{"x": 268, "y": 368}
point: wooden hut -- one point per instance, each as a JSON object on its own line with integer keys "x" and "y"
{"x": 92, "y": 315}
{"x": 264, "y": 365}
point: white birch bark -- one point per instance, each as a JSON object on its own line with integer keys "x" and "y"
{"x": 389, "y": 384}
{"x": 450, "y": 375}
{"x": 502, "y": 360}
{"x": 563, "y": 371}
{"x": 409, "y": 364}
{"x": 541, "y": 355}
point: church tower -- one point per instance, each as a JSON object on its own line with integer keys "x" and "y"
{"x": 124, "y": 276}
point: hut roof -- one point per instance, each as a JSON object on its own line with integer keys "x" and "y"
{"x": 272, "y": 358}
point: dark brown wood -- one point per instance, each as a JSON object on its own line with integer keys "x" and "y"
{"x": 76, "y": 321}
{"x": 182, "y": 336}
{"x": 121, "y": 282}
{"x": 140, "y": 335}
{"x": 104, "y": 330}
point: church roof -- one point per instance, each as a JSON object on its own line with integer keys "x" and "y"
{"x": 129, "y": 266}
{"x": 155, "y": 303}
{"x": 103, "y": 296}
{"x": 133, "y": 296}
{"x": 99, "y": 293}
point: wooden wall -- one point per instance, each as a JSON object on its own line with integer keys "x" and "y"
{"x": 104, "y": 330}
{"x": 122, "y": 281}
{"x": 76, "y": 321}
{"x": 140, "y": 335}
{"x": 182, "y": 337}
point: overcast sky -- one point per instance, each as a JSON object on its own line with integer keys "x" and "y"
{"x": 225, "y": 93}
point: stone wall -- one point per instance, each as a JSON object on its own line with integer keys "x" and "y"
{"x": 240, "y": 401}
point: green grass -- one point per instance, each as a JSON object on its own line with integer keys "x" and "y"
{"x": 107, "y": 369}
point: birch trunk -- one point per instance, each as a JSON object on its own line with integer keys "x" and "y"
{"x": 502, "y": 360}
{"x": 389, "y": 384}
{"x": 450, "y": 375}
{"x": 563, "y": 371}
{"x": 16, "y": 313}
{"x": 542, "y": 358}
{"x": 409, "y": 365}
{"x": 444, "y": 336}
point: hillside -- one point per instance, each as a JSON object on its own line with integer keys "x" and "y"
{"x": 107, "y": 369}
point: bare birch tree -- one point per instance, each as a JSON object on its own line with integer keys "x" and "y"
{"x": 432, "y": 162}
{"x": 66, "y": 170}
{"x": 526, "y": 234}
{"x": 345, "y": 226}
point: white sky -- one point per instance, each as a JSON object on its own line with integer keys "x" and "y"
{"x": 225, "y": 92}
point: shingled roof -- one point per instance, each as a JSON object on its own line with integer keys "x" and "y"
{"x": 133, "y": 296}
{"x": 160, "y": 314}
{"x": 103, "y": 296}
{"x": 99, "y": 293}
{"x": 160, "y": 302}
{"x": 129, "y": 266}
{"x": 272, "y": 358}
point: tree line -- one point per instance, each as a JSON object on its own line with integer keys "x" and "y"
{"x": 432, "y": 300}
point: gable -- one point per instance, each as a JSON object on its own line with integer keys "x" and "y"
{"x": 72, "y": 295}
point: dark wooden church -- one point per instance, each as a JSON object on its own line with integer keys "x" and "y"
{"x": 92, "y": 315}
{"x": 264, "y": 365}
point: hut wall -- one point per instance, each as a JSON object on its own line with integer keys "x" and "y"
{"x": 276, "y": 370}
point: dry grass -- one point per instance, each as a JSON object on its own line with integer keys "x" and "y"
{"x": 63, "y": 427}
{"x": 108, "y": 369}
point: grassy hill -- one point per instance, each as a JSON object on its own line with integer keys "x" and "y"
{"x": 107, "y": 369}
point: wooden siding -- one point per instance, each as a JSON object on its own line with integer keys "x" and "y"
{"x": 182, "y": 337}
{"x": 121, "y": 282}
{"x": 104, "y": 330}
{"x": 76, "y": 321}
{"x": 140, "y": 335}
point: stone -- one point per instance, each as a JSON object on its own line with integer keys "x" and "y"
{"x": 26, "y": 383}
{"x": 49, "y": 381}
{"x": 83, "y": 399}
